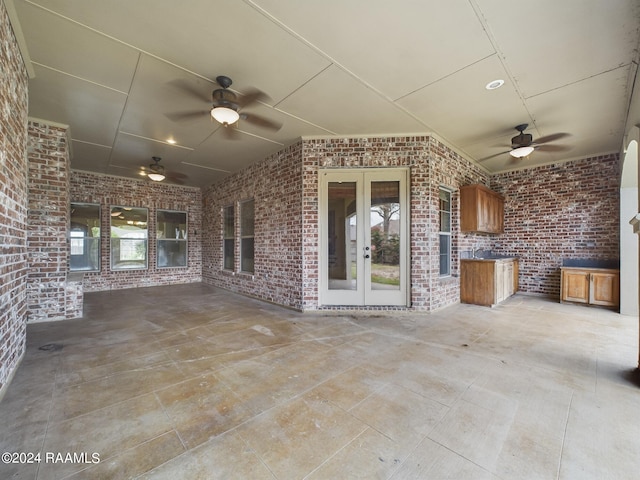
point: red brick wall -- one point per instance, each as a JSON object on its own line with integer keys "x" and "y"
{"x": 285, "y": 187}
{"x": 13, "y": 202}
{"x": 48, "y": 221}
{"x": 276, "y": 186}
{"x": 564, "y": 210}
{"x": 108, "y": 191}
{"x": 432, "y": 165}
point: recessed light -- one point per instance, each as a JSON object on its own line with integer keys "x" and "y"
{"x": 492, "y": 85}
{"x": 171, "y": 141}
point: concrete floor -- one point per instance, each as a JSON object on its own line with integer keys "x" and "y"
{"x": 193, "y": 382}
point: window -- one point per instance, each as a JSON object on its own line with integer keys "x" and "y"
{"x": 229, "y": 236}
{"x": 128, "y": 238}
{"x": 247, "y": 221}
{"x": 84, "y": 238}
{"x": 445, "y": 232}
{"x": 171, "y": 235}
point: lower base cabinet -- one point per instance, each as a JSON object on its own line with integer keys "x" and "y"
{"x": 488, "y": 282}
{"x": 591, "y": 286}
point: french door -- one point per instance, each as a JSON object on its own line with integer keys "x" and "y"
{"x": 364, "y": 237}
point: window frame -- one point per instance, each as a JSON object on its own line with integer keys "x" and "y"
{"x": 247, "y": 235}
{"x": 446, "y": 233}
{"x": 135, "y": 264}
{"x": 89, "y": 243}
{"x": 228, "y": 235}
{"x": 165, "y": 243}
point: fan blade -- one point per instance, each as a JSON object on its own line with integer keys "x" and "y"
{"x": 553, "y": 148}
{"x": 189, "y": 115}
{"x": 492, "y": 156}
{"x": 551, "y": 138}
{"x": 176, "y": 178}
{"x": 260, "y": 121}
{"x": 252, "y": 96}
{"x": 187, "y": 88}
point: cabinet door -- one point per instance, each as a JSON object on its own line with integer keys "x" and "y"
{"x": 604, "y": 289}
{"x": 499, "y": 214}
{"x": 508, "y": 279}
{"x": 575, "y": 286}
{"x": 499, "y": 282}
{"x": 484, "y": 212}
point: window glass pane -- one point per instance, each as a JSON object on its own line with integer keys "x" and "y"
{"x": 247, "y": 219}
{"x": 171, "y": 224}
{"x": 229, "y": 237}
{"x": 246, "y": 255}
{"x": 445, "y": 222}
{"x": 228, "y": 222}
{"x": 445, "y": 257}
{"x": 445, "y": 211}
{"x": 228, "y": 254}
{"x": 128, "y": 238}
{"x": 445, "y": 229}
{"x": 172, "y": 253}
{"x": 84, "y": 252}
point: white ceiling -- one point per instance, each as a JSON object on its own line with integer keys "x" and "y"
{"x": 115, "y": 71}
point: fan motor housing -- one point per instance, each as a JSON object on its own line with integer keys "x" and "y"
{"x": 224, "y": 98}
{"x": 522, "y": 140}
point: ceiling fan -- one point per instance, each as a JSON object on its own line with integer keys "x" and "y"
{"x": 522, "y": 145}
{"x": 227, "y": 107}
{"x": 157, "y": 172}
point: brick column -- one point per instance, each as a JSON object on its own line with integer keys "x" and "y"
{"x": 48, "y": 220}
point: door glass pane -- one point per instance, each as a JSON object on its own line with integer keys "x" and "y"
{"x": 385, "y": 235}
{"x": 342, "y": 239}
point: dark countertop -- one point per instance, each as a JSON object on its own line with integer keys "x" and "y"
{"x": 489, "y": 259}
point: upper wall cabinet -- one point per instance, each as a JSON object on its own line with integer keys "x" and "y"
{"x": 481, "y": 210}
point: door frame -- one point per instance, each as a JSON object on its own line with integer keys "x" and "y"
{"x": 363, "y": 296}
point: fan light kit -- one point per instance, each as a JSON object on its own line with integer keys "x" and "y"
{"x": 157, "y": 170}
{"x": 225, "y": 106}
{"x": 521, "y": 143}
{"x": 156, "y": 177}
{"x": 225, "y": 115}
{"x": 521, "y": 151}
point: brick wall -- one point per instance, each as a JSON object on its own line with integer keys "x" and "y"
{"x": 48, "y": 221}
{"x": 564, "y": 210}
{"x": 432, "y": 164}
{"x": 285, "y": 187}
{"x": 13, "y": 202}
{"x": 276, "y": 186}
{"x": 108, "y": 191}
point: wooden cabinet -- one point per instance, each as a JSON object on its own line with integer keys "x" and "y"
{"x": 481, "y": 210}
{"x": 488, "y": 282}
{"x": 592, "y": 286}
